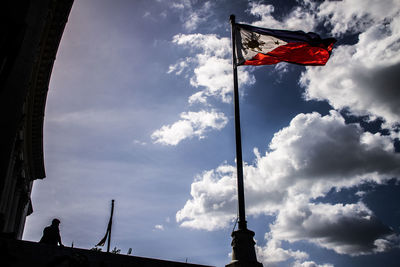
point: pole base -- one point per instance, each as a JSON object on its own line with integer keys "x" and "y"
{"x": 244, "y": 264}
{"x": 243, "y": 252}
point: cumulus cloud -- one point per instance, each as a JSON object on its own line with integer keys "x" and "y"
{"x": 191, "y": 124}
{"x": 272, "y": 253}
{"x": 212, "y": 66}
{"x": 301, "y": 17}
{"x": 180, "y": 66}
{"x": 356, "y": 15}
{"x": 368, "y": 84}
{"x": 309, "y": 157}
{"x": 347, "y": 229}
{"x": 213, "y": 200}
{"x": 305, "y": 160}
{"x": 212, "y": 75}
{"x": 192, "y": 13}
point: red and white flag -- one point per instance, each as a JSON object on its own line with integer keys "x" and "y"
{"x": 259, "y": 46}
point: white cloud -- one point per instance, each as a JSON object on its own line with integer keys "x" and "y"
{"x": 180, "y": 66}
{"x": 159, "y": 227}
{"x": 164, "y": 14}
{"x": 356, "y": 15}
{"x": 178, "y": 6}
{"x": 198, "y": 97}
{"x": 282, "y": 67}
{"x": 309, "y": 157}
{"x": 193, "y": 13}
{"x": 215, "y": 75}
{"x": 272, "y": 253}
{"x": 341, "y": 16}
{"x": 138, "y": 142}
{"x": 300, "y": 18}
{"x": 368, "y": 83}
{"x": 212, "y": 74}
{"x": 311, "y": 264}
{"x": 192, "y": 21}
{"x": 146, "y": 14}
{"x": 209, "y": 44}
{"x": 191, "y": 124}
{"x": 362, "y": 78}
{"x": 306, "y": 159}
{"x": 360, "y": 193}
{"x": 347, "y": 229}
{"x": 213, "y": 200}
{"x": 213, "y": 67}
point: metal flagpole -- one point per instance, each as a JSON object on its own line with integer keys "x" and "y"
{"x": 243, "y": 252}
{"x": 239, "y": 161}
{"x": 110, "y": 226}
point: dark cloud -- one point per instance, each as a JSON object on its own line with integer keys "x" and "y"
{"x": 383, "y": 85}
{"x": 347, "y": 229}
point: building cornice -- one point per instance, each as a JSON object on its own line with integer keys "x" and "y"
{"x": 56, "y": 20}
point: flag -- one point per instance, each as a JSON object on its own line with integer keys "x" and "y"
{"x": 103, "y": 240}
{"x": 259, "y": 46}
{"x": 108, "y": 232}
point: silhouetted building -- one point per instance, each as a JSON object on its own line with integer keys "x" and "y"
{"x": 18, "y": 253}
{"x": 30, "y": 32}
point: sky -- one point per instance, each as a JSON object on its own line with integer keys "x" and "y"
{"x": 140, "y": 110}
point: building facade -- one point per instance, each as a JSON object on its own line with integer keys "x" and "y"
{"x": 30, "y": 33}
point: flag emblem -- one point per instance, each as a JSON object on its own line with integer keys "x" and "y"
{"x": 253, "y": 42}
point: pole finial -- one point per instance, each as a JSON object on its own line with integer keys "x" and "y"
{"x": 232, "y": 18}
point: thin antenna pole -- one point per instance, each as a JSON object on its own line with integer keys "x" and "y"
{"x": 239, "y": 161}
{"x": 110, "y": 226}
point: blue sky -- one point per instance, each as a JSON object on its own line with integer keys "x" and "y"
{"x": 140, "y": 110}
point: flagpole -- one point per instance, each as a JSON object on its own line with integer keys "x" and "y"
{"x": 239, "y": 161}
{"x": 110, "y": 226}
{"x": 243, "y": 251}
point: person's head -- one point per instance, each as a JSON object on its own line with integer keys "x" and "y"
{"x": 55, "y": 222}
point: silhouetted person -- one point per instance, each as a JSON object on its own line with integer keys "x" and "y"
{"x": 51, "y": 234}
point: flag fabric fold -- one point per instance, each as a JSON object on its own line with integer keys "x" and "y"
{"x": 259, "y": 46}
{"x": 108, "y": 232}
{"x": 104, "y": 239}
